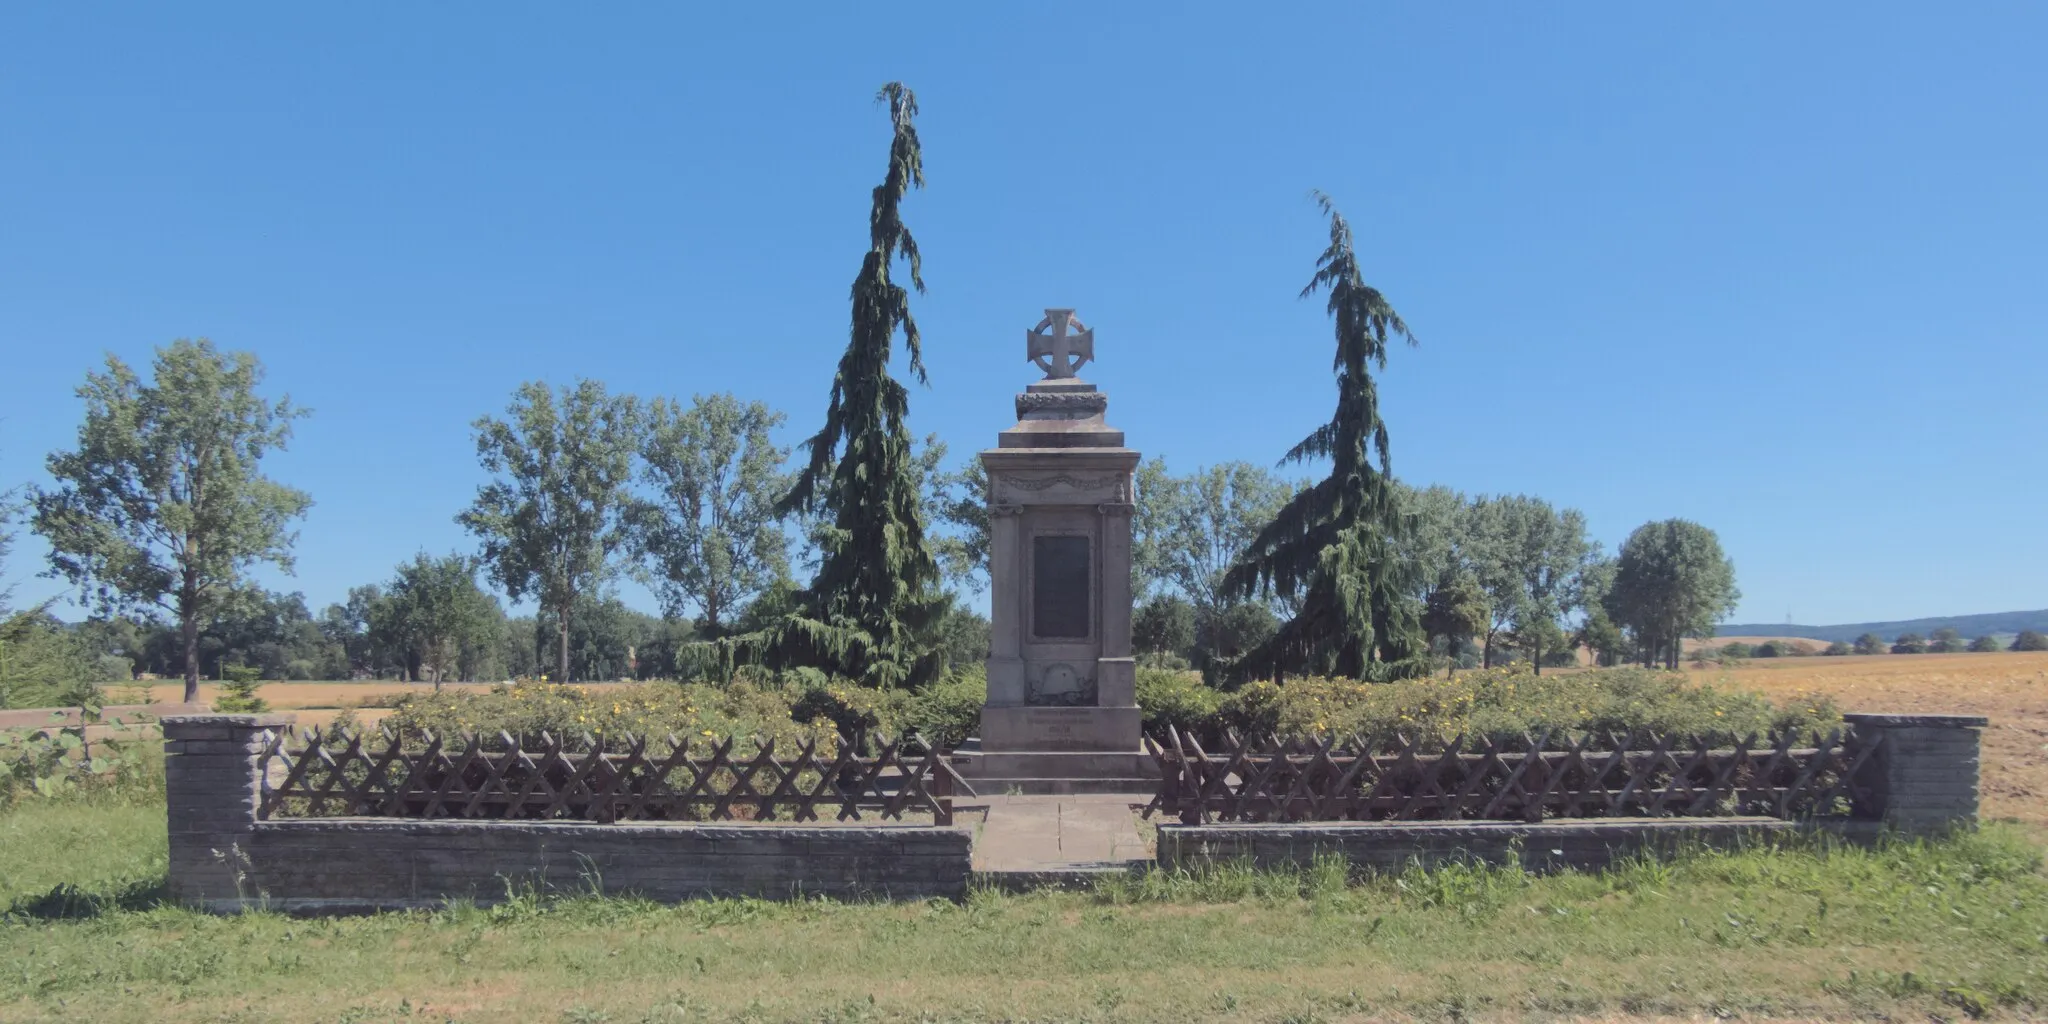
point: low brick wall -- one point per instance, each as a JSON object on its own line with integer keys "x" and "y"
{"x": 1922, "y": 779}
{"x": 1392, "y": 845}
{"x": 222, "y": 857}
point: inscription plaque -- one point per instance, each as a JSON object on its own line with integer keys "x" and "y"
{"x": 1060, "y": 582}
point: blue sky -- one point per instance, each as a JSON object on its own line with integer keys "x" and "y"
{"x": 1774, "y": 268}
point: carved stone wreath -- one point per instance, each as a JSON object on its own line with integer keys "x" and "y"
{"x": 1085, "y": 403}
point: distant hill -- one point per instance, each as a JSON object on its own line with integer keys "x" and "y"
{"x": 1968, "y": 625}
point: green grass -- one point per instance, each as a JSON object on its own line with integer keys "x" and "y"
{"x": 1949, "y": 929}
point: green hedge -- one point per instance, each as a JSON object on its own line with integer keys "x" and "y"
{"x": 1508, "y": 704}
{"x": 1501, "y": 703}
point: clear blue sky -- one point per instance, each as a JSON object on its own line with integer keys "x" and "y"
{"x": 1776, "y": 268}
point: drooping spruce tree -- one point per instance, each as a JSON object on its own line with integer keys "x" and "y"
{"x": 869, "y": 613}
{"x": 1331, "y": 549}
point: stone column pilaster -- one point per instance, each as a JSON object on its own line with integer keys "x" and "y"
{"x": 1006, "y": 612}
{"x": 1923, "y": 777}
{"x": 213, "y": 785}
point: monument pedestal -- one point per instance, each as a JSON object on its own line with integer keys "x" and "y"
{"x": 1061, "y": 715}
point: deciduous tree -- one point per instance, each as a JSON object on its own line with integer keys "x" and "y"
{"x": 1870, "y": 643}
{"x": 163, "y": 505}
{"x": 712, "y": 531}
{"x": 554, "y": 517}
{"x": 1984, "y": 644}
{"x": 1527, "y": 556}
{"x": 1671, "y": 581}
{"x": 2029, "y": 640}
{"x": 435, "y": 610}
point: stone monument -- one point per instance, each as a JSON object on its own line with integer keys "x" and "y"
{"x": 1061, "y": 715}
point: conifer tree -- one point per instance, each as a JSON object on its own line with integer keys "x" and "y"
{"x": 1331, "y": 547}
{"x": 869, "y": 613}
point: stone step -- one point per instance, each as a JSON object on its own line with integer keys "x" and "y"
{"x": 1036, "y": 764}
{"x": 1141, "y": 789}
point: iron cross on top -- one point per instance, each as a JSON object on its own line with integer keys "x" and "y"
{"x": 1060, "y": 344}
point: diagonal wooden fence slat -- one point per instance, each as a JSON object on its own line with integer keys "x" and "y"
{"x": 1786, "y": 775}
{"x": 316, "y": 773}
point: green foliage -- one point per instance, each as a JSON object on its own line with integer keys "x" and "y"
{"x": 870, "y": 612}
{"x": 1164, "y": 625}
{"x": 1333, "y": 548}
{"x": 554, "y": 516}
{"x": 1671, "y": 581}
{"x": 1221, "y": 639}
{"x": 1177, "y": 699}
{"x": 688, "y": 711}
{"x": 1456, "y": 610}
{"x": 1742, "y": 650}
{"x": 163, "y": 504}
{"x": 57, "y": 763}
{"x": 433, "y": 611}
{"x": 1870, "y": 643}
{"x": 43, "y": 664}
{"x": 1189, "y": 530}
{"x": 1984, "y": 645}
{"x": 238, "y": 691}
{"x": 1910, "y": 643}
{"x": 2029, "y": 640}
{"x": 1506, "y": 704}
{"x": 712, "y": 534}
{"x": 1945, "y": 641}
{"x": 1526, "y": 557}
{"x": 958, "y": 501}
{"x": 1837, "y": 649}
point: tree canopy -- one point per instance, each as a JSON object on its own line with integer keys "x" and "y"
{"x": 1671, "y": 581}
{"x": 1331, "y": 549}
{"x": 711, "y": 531}
{"x": 163, "y": 506}
{"x": 554, "y": 517}
{"x": 434, "y": 611}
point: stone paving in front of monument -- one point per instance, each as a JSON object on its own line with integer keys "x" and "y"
{"x": 1056, "y": 834}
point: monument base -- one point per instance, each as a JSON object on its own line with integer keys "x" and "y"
{"x": 1058, "y": 772}
{"x": 1032, "y": 729}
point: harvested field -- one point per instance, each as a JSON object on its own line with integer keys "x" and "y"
{"x": 2009, "y": 688}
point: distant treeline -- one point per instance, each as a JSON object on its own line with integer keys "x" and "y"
{"x": 1967, "y": 625}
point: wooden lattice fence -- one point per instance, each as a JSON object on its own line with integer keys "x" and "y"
{"x": 316, "y": 773}
{"x": 1529, "y": 779}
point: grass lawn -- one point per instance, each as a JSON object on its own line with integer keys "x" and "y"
{"x": 1947, "y": 929}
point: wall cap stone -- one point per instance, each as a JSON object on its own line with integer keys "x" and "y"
{"x": 1885, "y": 721}
{"x": 563, "y": 828}
{"x": 264, "y": 721}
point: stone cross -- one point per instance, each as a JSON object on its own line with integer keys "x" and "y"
{"x": 1056, "y": 351}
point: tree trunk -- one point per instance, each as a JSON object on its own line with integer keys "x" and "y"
{"x": 188, "y": 633}
{"x": 1536, "y": 656}
{"x": 562, "y": 649}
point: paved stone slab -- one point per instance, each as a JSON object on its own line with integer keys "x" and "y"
{"x": 1055, "y": 833}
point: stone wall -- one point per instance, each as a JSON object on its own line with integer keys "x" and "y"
{"x": 222, "y": 857}
{"x": 1922, "y": 779}
{"x": 1393, "y": 845}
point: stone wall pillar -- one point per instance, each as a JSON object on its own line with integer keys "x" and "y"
{"x": 1006, "y": 616}
{"x": 213, "y": 785}
{"x": 1923, "y": 777}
